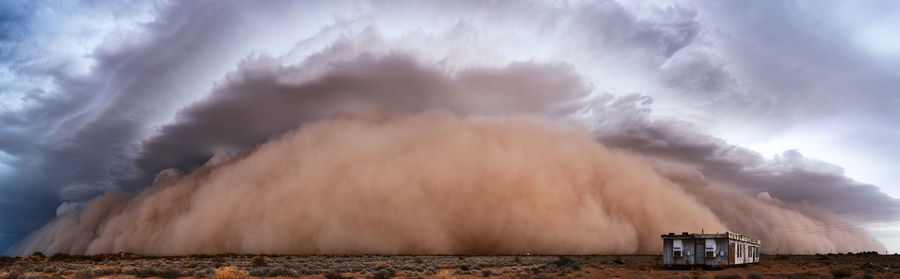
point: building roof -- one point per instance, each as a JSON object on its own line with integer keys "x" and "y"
{"x": 728, "y": 235}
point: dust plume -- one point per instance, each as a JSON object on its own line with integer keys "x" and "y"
{"x": 783, "y": 227}
{"x": 428, "y": 183}
{"x": 374, "y": 183}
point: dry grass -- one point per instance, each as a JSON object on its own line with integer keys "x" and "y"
{"x": 407, "y": 266}
{"x": 230, "y": 272}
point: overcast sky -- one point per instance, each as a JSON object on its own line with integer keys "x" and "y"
{"x": 797, "y": 99}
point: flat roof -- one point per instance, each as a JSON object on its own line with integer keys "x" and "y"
{"x": 728, "y": 235}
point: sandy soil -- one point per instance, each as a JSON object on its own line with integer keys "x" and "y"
{"x": 375, "y": 266}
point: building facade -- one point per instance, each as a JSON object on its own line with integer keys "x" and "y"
{"x": 718, "y": 249}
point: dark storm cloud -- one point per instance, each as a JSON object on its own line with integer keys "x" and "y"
{"x": 789, "y": 176}
{"x": 261, "y": 100}
{"x": 74, "y": 143}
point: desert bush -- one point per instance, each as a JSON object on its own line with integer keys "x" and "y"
{"x": 142, "y": 272}
{"x": 169, "y": 273}
{"x": 841, "y": 273}
{"x": 281, "y": 271}
{"x": 12, "y": 274}
{"x": 385, "y": 273}
{"x": 259, "y": 261}
{"x": 230, "y": 272}
{"x": 728, "y": 276}
{"x": 83, "y": 274}
{"x": 259, "y": 271}
{"x": 335, "y": 275}
{"x": 696, "y": 274}
{"x": 103, "y": 271}
{"x": 382, "y": 265}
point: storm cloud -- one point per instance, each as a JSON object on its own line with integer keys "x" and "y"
{"x": 263, "y": 98}
{"x": 99, "y": 97}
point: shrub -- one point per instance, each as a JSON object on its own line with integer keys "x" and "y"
{"x": 754, "y": 275}
{"x": 84, "y": 274}
{"x": 230, "y": 272}
{"x": 697, "y": 273}
{"x": 385, "y": 273}
{"x": 259, "y": 261}
{"x": 12, "y": 274}
{"x": 728, "y": 276}
{"x": 282, "y": 272}
{"x": 382, "y": 265}
{"x": 335, "y": 275}
{"x": 142, "y": 272}
{"x": 841, "y": 273}
{"x": 169, "y": 273}
{"x": 259, "y": 271}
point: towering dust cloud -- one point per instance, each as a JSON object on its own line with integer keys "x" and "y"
{"x": 425, "y": 183}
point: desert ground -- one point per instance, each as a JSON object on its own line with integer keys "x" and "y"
{"x": 229, "y": 266}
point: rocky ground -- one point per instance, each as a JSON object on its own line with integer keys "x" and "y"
{"x": 376, "y": 266}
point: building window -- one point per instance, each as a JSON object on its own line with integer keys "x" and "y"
{"x": 710, "y": 248}
{"x": 676, "y": 248}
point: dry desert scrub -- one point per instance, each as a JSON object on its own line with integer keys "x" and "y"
{"x": 230, "y": 272}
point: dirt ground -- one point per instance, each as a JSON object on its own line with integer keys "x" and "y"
{"x": 376, "y": 266}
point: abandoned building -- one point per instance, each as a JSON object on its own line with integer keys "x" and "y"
{"x": 717, "y": 249}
